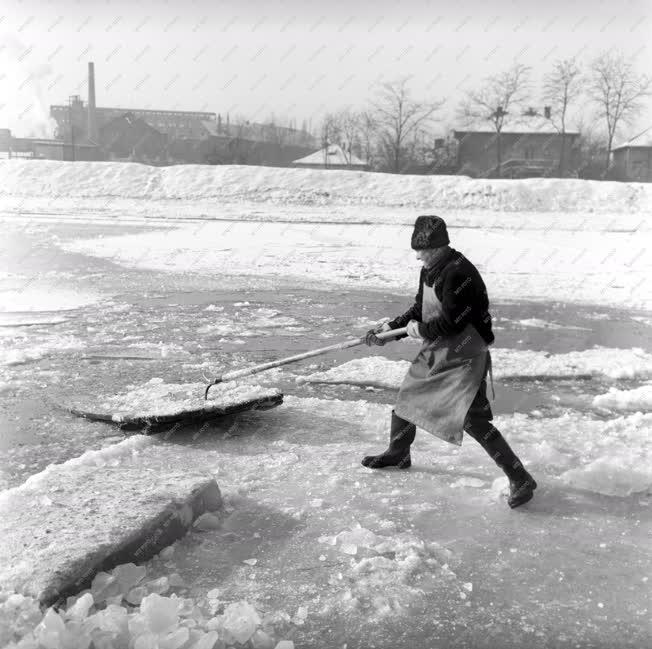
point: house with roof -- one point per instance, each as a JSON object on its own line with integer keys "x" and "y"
{"x": 526, "y": 148}
{"x": 632, "y": 160}
{"x": 332, "y": 156}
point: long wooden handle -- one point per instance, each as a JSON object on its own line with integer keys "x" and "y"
{"x": 236, "y": 374}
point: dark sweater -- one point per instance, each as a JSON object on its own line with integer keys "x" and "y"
{"x": 463, "y": 296}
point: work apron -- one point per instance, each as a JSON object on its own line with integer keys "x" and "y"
{"x": 443, "y": 379}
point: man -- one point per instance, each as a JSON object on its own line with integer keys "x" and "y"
{"x": 444, "y": 391}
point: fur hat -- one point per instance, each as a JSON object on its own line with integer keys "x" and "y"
{"x": 429, "y": 232}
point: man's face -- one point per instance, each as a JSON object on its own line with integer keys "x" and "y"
{"x": 428, "y": 255}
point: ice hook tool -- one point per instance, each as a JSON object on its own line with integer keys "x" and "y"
{"x": 248, "y": 371}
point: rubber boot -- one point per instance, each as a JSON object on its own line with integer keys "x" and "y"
{"x": 521, "y": 483}
{"x": 401, "y": 436}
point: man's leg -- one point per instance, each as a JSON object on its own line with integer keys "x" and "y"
{"x": 478, "y": 425}
{"x": 401, "y": 436}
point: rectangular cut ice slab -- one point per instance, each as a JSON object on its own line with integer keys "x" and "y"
{"x": 119, "y": 504}
{"x": 156, "y": 402}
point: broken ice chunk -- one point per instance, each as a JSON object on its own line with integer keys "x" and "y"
{"x": 349, "y": 548}
{"x": 161, "y": 613}
{"x": 135, "y": 595}
{"x": 79, "y": 610}
{"x": 240, "y": 621}
{"x": 158, "y": 586}
{"x": 128, "y": 575}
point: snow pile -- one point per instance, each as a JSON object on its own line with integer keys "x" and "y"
{"x": 124, "y": 609}
{"x": 636, "y": 399}
{"x": 233, "y": 183}
{"x": 157, "y": 398}
{"x": 381, "y": 372}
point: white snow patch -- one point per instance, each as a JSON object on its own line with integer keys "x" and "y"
{"x": 639, "y": 398}
{"x": 537, "y": 323}
{"x": 46, "y": 298}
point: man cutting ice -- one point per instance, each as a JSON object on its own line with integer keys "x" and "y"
{"x": 445, "y": 389}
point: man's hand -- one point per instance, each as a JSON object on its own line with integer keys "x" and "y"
{"x": 372, "y": 339}
{"x": 413, "y": 329}
{"x": 381, "y": 326}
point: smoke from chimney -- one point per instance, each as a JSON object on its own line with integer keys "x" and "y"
{"x": 92, "y": 121}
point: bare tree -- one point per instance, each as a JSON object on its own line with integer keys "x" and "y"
{"x": 330, "y": 133}
{"x": 397, "y": 116}
{"x": 618, "y": 91}
{"x": 497, "y": 102}
{"x": 350, "y": 122}
{"x": 561, "y": 87}
{"x": 368, "y": 129}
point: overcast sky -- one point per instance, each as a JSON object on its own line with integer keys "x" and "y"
{"x": 291, "y": 58}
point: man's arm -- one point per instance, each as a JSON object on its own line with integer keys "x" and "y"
{"x": 413, "y": 313}
{"x": 458, "y": 299}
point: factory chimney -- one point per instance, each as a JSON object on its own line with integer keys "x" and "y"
{"x": 92, "y": 118}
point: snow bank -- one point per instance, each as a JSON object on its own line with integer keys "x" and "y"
{"x": 233, "y": 183}
{"x": 379, "y": 371}
{"x": 62, "y": 525}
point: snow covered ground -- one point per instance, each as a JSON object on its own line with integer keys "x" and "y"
{"x": 118, "y": 275}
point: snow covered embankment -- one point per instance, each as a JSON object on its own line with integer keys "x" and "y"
{"x": 236, "y": 183}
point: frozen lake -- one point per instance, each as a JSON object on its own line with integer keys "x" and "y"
{"x": 443, "y": 558}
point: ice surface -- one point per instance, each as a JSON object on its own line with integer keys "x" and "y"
{"x": 599, "y": 361}
{"x": 45, "y": 298}
{"x": 527, "y": 272}
{"x": 23, "y": 347}
{"x": 543, "y": 324}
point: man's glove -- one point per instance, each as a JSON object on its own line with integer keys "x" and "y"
{"x": 372, "y": 339}
{"x": 413, "y": 329}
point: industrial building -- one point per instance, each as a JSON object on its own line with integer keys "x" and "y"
{"x": 85, "y": 131}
